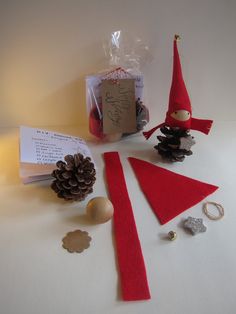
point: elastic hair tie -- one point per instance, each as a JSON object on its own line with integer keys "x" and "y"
{"x": 219, "y": 207}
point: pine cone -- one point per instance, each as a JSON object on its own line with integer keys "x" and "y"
{"x": 74, "y": 178}
{"x": 142, "y": 115}
{"x": 175, "y": 145}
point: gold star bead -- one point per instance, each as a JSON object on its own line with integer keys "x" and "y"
{"x": 172, "y": 235}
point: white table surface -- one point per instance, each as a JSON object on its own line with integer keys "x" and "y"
{"x": 194, "y": 274}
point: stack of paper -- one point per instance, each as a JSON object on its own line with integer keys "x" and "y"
{"x": 41, "y": 149}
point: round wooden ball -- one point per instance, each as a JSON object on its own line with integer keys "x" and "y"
{"x": 100, "y": 209}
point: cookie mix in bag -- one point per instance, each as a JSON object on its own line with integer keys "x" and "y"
{"x": 114, "y": 97}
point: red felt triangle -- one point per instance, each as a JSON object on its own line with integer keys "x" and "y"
{"x": 168, "y": 193}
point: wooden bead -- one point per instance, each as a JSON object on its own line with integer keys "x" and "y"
{"x": 100, "y": 209}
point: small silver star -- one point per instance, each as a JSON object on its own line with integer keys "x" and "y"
{"x": 186, "y": 142}
{"x": 195, "y": 225}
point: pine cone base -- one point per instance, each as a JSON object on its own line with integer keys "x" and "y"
{"x": 175, "y": 144}
{"x": 74, "y": 178}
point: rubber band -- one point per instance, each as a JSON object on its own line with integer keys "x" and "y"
{"x": 219, "y": 207}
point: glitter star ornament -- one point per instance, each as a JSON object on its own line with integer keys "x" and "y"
{"x": 194, "y": 225}
{"x": 186, "y": 142}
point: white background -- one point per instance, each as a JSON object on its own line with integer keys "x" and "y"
{"x": 47, "y": 47}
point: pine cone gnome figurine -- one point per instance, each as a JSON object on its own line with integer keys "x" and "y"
{"x": 179, "y": 120}
{"x": 74, "y": 178}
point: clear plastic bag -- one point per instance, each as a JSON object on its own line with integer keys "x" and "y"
{"x": 126, "y": 55}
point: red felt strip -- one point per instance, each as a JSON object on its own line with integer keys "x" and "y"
{"x": 133, "y": 277}
{"x": 168, "y": 193}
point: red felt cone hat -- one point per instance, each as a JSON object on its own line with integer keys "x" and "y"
{"x": 168, "y": 193}
{"x": 179, "y": 98}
